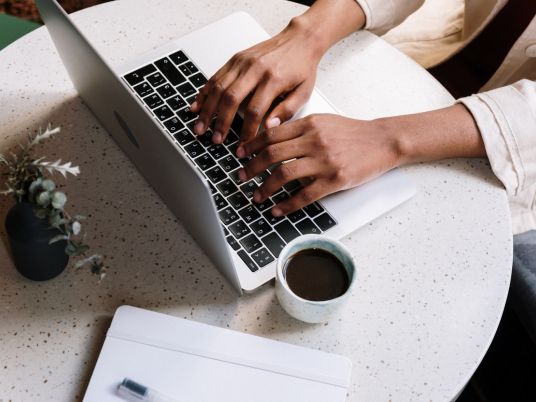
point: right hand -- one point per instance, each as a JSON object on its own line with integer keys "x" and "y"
{"x": 283, "y": 66}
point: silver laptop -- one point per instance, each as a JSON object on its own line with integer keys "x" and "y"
{"x": 144, "y": 105}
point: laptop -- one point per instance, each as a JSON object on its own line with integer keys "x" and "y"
{"x": 144, "y": 105}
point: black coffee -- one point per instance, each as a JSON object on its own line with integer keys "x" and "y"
{"x": 316, "y": 275}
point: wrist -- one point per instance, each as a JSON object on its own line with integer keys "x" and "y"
{"x": 303, "y": 29}
{"x": 397, "y": 137}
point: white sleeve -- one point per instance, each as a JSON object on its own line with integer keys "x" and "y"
{"x": 382, "y": 15}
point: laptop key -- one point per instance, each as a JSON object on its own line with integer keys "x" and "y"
{"x": 217, "y": 151}
{"x": 231, "y": 138}
{"x": 262, "y": 206}
{"x": 262, "y": 257}
{"x": 233, "y": 243}
{"x": 225, "y": 231}
{"x": 272, "y": 220}
{"x": 307, "y": 226}
{"x": 153, "y": 101}
{"x": 137, "y": 76}
{"x": 228, "y": 216}
{"x": 313, "y": 209}
{"x": 227, "y": 187}
{"x": 178, "y": 57}
{"x": 234, "y": 176}
{"x": 274, "y": 243}
{"x": 166, "y": 91}
{"x": 143, "y": 89}
{"x": 249, "y": 188}
{"x": 163, "y": 112}
{"x": 262, "y": 177}
{"x": 219, "y": 201}
{"x": 188, "y": 68}
{"x": 238, "y": 201}
{"x": 239, "y": 229}
{"x": 183, "y": 137}
{"x": 170, "y": 71}
{"x": 186, "y": 89}
{"x": 194, "y": 149}
{"x": 250, "y": 243}
{"x": 248, "y": 261}
{"x": 205, "y": 139}
{"x": 176, "y": 102}
{"x": 186, "y": 115}
{"x": 216, "y": 174}
{"x": 191, "y": 99}
{"x": 156, "y": 79}
{"x": 213, "y": 190}
{"x": 249, "y": 214}
{"x": 205, "y": 161}
{"x": 173, "y": 125}
{"x": 286, "y": 231}
{"x": 296, "y": 216}
{"x": 280, "y": 197}
{"x": 325, "y": 221}
{"x": 198, "y": 80}
{"x": 260, "y": 227}
{"x": 292, "y": 185}
{"x": 228, "y": 163}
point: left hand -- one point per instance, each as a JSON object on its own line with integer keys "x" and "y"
{"x": 334, "y": 152}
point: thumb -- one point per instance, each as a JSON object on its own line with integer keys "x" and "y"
{"x": 290, "y": 105}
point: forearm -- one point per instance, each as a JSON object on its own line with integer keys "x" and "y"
{"x": 328, "y": 21}
{"x": 440, "y": 134}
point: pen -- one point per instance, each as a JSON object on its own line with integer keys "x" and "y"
{"x": 135, "y": 392}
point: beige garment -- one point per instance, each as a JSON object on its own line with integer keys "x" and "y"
{"x": 505, "y": 109}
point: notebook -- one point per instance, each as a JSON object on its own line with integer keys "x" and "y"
{"x": 196, "y": 362}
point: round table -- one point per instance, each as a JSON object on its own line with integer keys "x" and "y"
{"x": 433, "y": 273}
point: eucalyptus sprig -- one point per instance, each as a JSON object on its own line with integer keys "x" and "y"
{"x": 26, "y": 181}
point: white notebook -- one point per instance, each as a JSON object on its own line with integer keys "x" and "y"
{"x": 194, "y": 362}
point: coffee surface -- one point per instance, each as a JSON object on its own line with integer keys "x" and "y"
{"x": 316, "y": 275}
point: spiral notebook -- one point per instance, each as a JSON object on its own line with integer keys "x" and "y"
{"x": 196, "y": 362}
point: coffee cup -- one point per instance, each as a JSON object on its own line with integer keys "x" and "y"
{"x": 315, "y": 276}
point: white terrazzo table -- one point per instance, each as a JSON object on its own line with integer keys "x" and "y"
{"x": 433, "y": 274}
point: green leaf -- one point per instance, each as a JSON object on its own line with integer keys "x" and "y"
{"x": 48, "y": 185}
{"x": 76, "y": 227}
{"x": 43, "y": 198}
{"x": 58, "y": 199}
{"x": 58, "y": 238}
{"x": 35, "y": 186}
{"x": 70, "y": 249}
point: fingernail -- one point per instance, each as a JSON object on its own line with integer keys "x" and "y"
{"x": 240, "y": 152}
{"x": 274, "y": 122}
{"x": 194, "y": 105}
{"x": 276, "y": 212}
{"x": 257, "y": 196}
{"x": 199, "y": 127}
{"x": 242, "y": 175}
{"x": 216, "y": 137}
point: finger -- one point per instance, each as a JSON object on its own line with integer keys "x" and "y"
{"x": 286, "y": 172}
{"x": 290, "y": 106}
{"x": 215, "y": 91}
{"x": 268, "y": 137}
{"x": 257, "y": 108}
{"x": 229, "y": 103}
{"x": 271, "y": 155}
{"x": 199, "y": 101}
{"x": 316, "y": 190}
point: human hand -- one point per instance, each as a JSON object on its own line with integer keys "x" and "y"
{"x": 284, "y": 65}
{"x": 334, "y": 152}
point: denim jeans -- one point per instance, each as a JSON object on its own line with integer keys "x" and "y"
{"x": 523, "y": 285}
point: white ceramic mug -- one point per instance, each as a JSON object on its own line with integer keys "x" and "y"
{"x": 308, "y": 310}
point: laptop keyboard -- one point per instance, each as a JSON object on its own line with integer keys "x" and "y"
{"x": 167, "y": 87}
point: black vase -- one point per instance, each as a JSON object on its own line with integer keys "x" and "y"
{"x": 29, "y": 238}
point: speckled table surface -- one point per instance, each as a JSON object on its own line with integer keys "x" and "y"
{"x": 433, "y": 274}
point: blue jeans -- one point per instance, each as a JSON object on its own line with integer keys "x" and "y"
{"x": 523, "y": 285}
